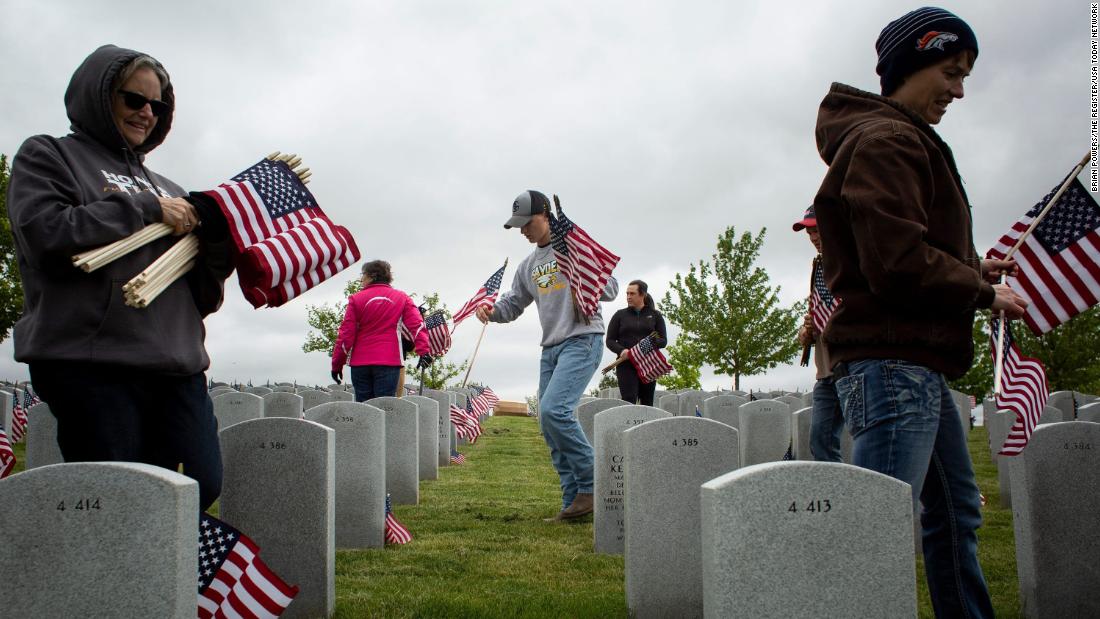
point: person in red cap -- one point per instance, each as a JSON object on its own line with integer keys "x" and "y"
{"x": 826, "y": 420}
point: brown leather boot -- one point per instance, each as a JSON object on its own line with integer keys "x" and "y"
{"x": 581, "y": 506}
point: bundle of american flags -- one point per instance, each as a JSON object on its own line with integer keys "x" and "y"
{"x": 1023, "y": 389}
{"x": 466, "y": 423}
{"x": 486, "y": 295}
{"x": 648, "y": 361}
{"x": 286, "y": 243}
{"x": 396, "y": 533}
{"x": 584, "y": 263}
{"x": 1059, "y": 262}
{"x": 233, "y": 580}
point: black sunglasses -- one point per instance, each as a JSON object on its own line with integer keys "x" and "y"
{"x": 134, "y": 101}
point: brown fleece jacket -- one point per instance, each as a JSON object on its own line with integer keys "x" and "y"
{"x": 896, "y": 237}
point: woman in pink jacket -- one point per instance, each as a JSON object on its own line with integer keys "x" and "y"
{"x": 370, "y": 335}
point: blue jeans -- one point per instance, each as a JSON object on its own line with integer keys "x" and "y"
{"x": 564, "y": 372}
{"x": 904, "y": 424}
{"x": 110, "y": 413}
{"x": 826, "y": 422}
{"x": 374, "y": 381}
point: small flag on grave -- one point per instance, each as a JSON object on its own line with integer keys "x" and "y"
{"x": 396, "y": 533}
{"x": 233, "y": 580}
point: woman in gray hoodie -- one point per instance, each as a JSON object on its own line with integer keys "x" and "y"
{"x": 125, "y": 384}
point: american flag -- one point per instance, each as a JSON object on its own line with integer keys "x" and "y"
{"x": 439, "y": 337}
{"x": 396, "y": 533}
{"x": 490, "y": 396}
{"x": 1023, "y": 389}
{"x": 584, "y": 263}
{"x": 233, "y": 580}
{"x": 457, "y": 458}
{"x": 486, "y": 295}
{"x": 483, "y": 399}
{"x": 648, "y": 361}
{"x": 287, "y": 244}
{"x": 18, "y": 419}
{"x": 822, "y": 302}
{"x": 465, "y": 422}
{"x": 789, "y": 455}
{"x": 1060, "y": 261}
{"x": 7, "y": 455}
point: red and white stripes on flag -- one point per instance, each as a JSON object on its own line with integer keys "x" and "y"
{"x": 18, "y": 420}
{"x": 439, "y": 336}
{"x": 1059, "y": 263}
{"x": 822, "y": 302}
{"x": 233, "y": 580}
{"x": 584, "y": 263}
{"x": 648, "y": 361}
{"x": 466, "y": 423}
{"x": 1023, "y": 389}
{"x": 286, "y": 243}
{"x": 396, "y": 533}
{"x": 7, "y": 455}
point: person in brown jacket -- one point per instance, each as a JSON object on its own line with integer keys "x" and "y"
{"x": 897, "y": 247}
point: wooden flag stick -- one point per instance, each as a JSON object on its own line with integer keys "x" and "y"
{"x": 998, "y": 370}
{"x": 473, "y": 357}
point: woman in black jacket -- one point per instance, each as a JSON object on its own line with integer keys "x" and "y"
{"x": 627, "y": 327}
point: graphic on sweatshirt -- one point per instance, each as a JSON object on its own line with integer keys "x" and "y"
{"x": 130, "y": 184}
{"x": 546, "y": 277}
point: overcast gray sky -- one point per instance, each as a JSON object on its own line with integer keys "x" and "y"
{"x": 658, "y": 125}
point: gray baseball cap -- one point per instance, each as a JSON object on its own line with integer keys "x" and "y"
{"x": 525, "y": 205}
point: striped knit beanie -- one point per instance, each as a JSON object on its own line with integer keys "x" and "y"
{"x": 918, "y": 39}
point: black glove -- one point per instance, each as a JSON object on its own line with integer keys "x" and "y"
{"x": 212, "y": 224}
{"x": 425, "y": 361}
{"x": 337, "y": 377}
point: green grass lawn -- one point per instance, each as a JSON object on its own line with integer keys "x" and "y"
{"x": 481, "y": 549}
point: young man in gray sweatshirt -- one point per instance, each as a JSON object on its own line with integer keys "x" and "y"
{"x": 571, "y": 350}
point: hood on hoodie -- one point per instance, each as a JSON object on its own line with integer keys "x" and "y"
{"x": 88, "y": 100}
{"x": 845, "y": 109}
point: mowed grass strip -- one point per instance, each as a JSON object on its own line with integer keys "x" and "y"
{"x": 481, "y": 549}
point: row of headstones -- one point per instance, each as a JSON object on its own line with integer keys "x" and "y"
{"x": 300, "y": 488}
{"x": 613, "y": 392}
{"x": 1060, "y": 407}
{"x": 768, "y": 428}
{"x": 702, "y": 535}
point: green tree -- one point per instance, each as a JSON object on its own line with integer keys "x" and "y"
{"x": 326, "y": 319}
{"x": 607, "y": 381}
{"x": 686, "y": 362}
{"x": 11, "y": 286}
{"x": 729, "y": 312}
{"x": 1068, "y": 353}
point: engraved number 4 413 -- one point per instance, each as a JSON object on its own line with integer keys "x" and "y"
{"x": 819, "y": 506}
